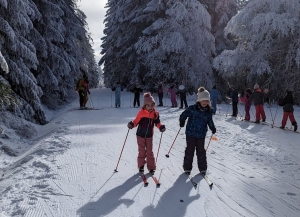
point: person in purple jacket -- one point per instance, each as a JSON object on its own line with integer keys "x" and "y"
{"x": 173, "y": 91}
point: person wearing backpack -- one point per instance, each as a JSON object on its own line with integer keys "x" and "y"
{"x": 288, "y": 110}
{"x": 81, "y": 89}
{"x": 86, "y": 92}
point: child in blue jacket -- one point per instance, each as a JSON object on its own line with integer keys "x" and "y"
{"x": 200, "y": 116}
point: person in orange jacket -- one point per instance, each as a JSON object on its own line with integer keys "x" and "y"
{"x": 146, "y": 118}
{"x": 81, "y": 88}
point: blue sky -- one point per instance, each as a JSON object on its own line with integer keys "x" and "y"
{"x": 95, "y": 12}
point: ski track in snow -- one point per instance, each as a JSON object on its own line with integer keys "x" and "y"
{"x": 70, "y": 172}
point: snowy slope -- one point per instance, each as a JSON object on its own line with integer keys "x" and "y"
{"x": 69, "y": 170}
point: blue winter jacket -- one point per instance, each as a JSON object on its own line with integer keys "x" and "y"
{"x": 198, "y": 120}
{"x": 234, "y": 95}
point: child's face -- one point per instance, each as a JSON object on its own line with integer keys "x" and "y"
{"x": 150, "y": 107}
{"x": 204, "y": 103}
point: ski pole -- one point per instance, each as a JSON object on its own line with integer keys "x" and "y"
{"x": 167, "y": 155}
{"x": 130, "y": 99}
{"x": 91, "y": 102}
{"x": 275, "y": 116}
{"x": 227, "y": 110}
{"x": 158, "y": 147}
{"x": 271, "y": 113}
{"x": 116, "y": 170}
{"x": 209, "y": 141}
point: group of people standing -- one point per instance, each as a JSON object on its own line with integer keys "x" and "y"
{"x": 173, "y": 91}
{"x": 257, "y": 96}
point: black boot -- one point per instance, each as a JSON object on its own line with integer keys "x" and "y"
{"x": 141, "y": 169}
{"x": 295, "y": 126}
{"x": 152, "y": 172}
{"x": 188, "y": 172}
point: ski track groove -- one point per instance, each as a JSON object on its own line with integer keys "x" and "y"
{"x": 257, "y": 188}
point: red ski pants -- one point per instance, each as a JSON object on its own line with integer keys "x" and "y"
{"x": 287, "y": 115}
{"x": 259, "y": 112}
{"x": 145, "y": 153}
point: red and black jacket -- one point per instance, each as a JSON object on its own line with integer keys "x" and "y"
{"x": 146, "y": 121}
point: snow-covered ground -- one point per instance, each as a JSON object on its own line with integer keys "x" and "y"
{"x": 68, "y": 169}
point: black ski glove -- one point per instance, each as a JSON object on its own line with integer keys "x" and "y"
{"x": 213, "y": 130}
{"x": 181, "y": 123}
{"x": 162, "y": 128}
{"x": 130, "y": 125}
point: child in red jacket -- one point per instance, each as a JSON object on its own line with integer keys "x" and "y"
{"x": 146, "y": 118}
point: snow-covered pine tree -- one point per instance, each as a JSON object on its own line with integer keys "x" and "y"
{"x": 53, "y": 68}
{"x": 109, "y": 51}
{"x": 3, "y": 63}
{"x": 268, "y": 45}
{"x": 83, "y": 53}
{"x": 16, "y": 23}
{"x": 221, "y": 11}
{"x": 65, "y": 45}
{"x": 134, "y": 20}
{"x": 122, "y": 30}
{"x": 178, "y": 45}
{"x": 242, "y": 3}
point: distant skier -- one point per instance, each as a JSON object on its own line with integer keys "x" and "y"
{"x": 86, "y": 92}
{"x": 214, "y": 96}
{"x": 258, "y": 99}
{"x": 234, "y": 95}
{"x": 81, "y": 89}
{"x": 137, "y": 91}
{"x": 160, "y": 94}
{"x": 146, "y": 118}
{"x": 117, "y": 90}
{"x": 288, "y": 110}
{"x": 182, "y": 95}
{"x": 173, "y": 91}
{"x": 248, "y": 102}
{"x": 199, "y": 117}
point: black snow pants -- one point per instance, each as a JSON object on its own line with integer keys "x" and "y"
{"x": 136, "y": 100}
{"x": 193, "y": 143}
{"x": 160, "y": 98}
{"x": 81, "y": 97}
